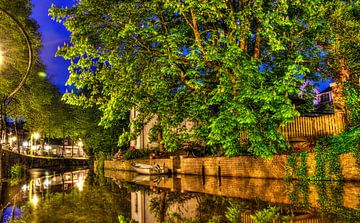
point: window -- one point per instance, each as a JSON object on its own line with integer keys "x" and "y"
{"x": 325, "y": 98}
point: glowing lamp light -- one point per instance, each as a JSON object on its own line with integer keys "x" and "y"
{"x": 35, "y": 200}
{"x": 81, "y": 144}
{"x": 1, "y": 58}
{"x": 25, "y": 187}
{"x": 80, "y": 184}
{"x": 36, "y": 135}
{"x": 25, "y": 144}
{"x": 47, "y": 182}
{"x": 13, "y": 139}
{"x": 47, "y": 147}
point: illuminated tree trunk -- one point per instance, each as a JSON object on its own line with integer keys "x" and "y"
{"x": 337, "y": 90}
{"x": 162, "y": 206}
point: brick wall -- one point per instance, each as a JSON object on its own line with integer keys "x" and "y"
{"x": 243, "y": 166}
{"x": 247, "y": 166}
{"x": 125, "y": 164}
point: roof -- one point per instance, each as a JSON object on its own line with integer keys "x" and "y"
{"x": 326, "y": 90}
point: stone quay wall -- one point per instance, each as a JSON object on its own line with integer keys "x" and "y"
{"x": 243, "y": 166}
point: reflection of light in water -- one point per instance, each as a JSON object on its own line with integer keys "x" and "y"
{"x": 80, "y": 183}
{"x": 25, "y": 187}
{"x": 35, "y": 200}
{"x": 47, "y": 182}
{"x": 8, "y": 213}
{"x": 37, "y": 181}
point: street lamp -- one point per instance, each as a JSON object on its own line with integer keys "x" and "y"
{"x": 35, "y": 136}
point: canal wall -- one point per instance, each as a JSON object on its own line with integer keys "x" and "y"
{"x": 242, "y": 166}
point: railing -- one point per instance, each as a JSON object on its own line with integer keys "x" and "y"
{"x": 303, "y": 127}
{"x": 53, "y": 154}
{"x": 323, "y": 125}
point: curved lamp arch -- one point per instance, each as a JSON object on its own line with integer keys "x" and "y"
{"x": 30, "y": 53}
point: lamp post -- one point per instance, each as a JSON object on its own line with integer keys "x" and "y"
{"x": 35, "y": 137}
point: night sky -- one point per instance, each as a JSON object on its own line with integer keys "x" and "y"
{"x": 53, "y": 35}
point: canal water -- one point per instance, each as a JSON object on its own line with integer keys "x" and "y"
{"x": 82, "y": 196}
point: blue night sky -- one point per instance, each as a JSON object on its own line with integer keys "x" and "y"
{"x": 53, "y": 35}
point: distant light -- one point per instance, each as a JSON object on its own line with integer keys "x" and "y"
{"x": 25, "y": 144}
{"x": 80, "y": 184}
{"x": 13, "y": 139}
{"x": 24, "y": 187}
{"x": 36, "y": 135}
{"x": 47, "y": 182}
{"x": 47, "y": 147}
{"x": 81, "y": 144}
{"x": 42, "y": 74}
{"x": 35, "y": 200}
{"x": 1, "y": 58}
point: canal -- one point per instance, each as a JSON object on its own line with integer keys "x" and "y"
{"x": 79, "y": 195}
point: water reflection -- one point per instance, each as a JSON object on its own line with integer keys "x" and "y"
{"x": 196, "y": 199}
{"x": 74, "y": 196}
{"x": 81, "y": 196}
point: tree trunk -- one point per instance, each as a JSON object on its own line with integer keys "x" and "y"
{"x": 337, "y": 90}
{"x": 159, "y": 140}
{"x": 257, "y": 44}
{"x": 4, "y": 123}
{"x": 17, "y": 136}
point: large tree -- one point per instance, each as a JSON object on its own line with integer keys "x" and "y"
{"x": 227, "y": 66}
{"x": 342, "y": 48}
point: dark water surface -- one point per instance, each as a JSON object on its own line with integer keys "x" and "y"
{"x": 82, "y": 196}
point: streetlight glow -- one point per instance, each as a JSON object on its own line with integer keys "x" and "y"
{"x": 35, "y": 200}
{"x": 1, "y": 57}
{"x": 36, "y": 135}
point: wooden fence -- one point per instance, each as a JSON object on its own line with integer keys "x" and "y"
{"x": 314, "y": 126}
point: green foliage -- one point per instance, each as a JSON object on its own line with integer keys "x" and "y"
{"x": 352, "y": 98}
{"x": 327, "y": 161}
{"x": 297, "y": 166}
{"x": 17, "y": 173}
{"x": 233, "y": 212}
{"x": 328, "y": 150}
{"x": 123, "y": 219}
{"x": 343, "y": 26}
{"x": 215, "y": 219}
{"x": 100, "y": 163}
{"x": 136, "y": 154}
{"x": 269, "y": 215}
{"x": 331, "y": 203}
{"x": 228, "y": 67}
{"x": 300, "y": 195}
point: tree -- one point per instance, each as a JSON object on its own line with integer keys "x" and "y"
{"x": 342, "y": 49}
{"x": 15, "y": 64}
{"x": 227, "y": 66}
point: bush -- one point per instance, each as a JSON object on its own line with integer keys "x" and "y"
{"x": 18, "y": 173}
{"x": 136, "y": 154}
